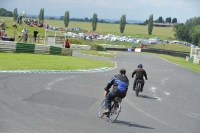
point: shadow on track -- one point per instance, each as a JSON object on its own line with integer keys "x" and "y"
{"x": 144, "y": 96}
{"x": 131, "y": 124}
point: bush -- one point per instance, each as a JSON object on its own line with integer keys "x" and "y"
{"x": 75, "y": 41}
{"x": 100, "y": 48}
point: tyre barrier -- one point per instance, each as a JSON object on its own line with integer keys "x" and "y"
{"x": 168, "y": 52}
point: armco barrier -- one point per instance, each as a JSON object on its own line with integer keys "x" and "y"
{"x": 55, "y": 50}
{"x": 66, "y": 52}
{"x": 119, "y": 49}
{"x": 42, "y": 49}
{"x": 80, "y": 47}
{"x": 25, "y": 47}
{"x": 7, "y": 46}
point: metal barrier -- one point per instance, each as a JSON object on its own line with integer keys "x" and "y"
{"x": 7, "y": 46}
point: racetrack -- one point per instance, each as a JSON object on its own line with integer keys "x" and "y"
{"x": 69, "y": 102}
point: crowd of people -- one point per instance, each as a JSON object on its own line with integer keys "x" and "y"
{"x": 31, "y": 22}
{"x": 3, "y": 34}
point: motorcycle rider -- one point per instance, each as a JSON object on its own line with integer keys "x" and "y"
{"x": 140, "y": 73}
{"x": 120, "y": 85}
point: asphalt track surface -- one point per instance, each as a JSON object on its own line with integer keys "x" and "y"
{"x": 69, "y": 102}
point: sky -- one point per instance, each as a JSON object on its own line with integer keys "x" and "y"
{"x": 109, "y": 9}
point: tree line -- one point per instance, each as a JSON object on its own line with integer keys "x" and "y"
{"x": 167, "y": 20}
{"x": 4, "y": 12}
{"x": 190, "y": 31}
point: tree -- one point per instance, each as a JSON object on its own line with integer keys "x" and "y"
{"x": 150, "y": 24}
{"x": 190, "y": 31}
{"x": 181, "y": 32}
{"x": 52, "y": 18}
{"x": 193, "y": 22}
{"x": 86, "y": 19}
{"x": 66, "y": 19}
{"x": 61, "y": 18}
{"x": 195, "y": 35}
{"x": 15, "y": 14}
{"x": 168, "y": 19}
{"x": 94, "y": 22}
{"x": 160, "y": 20}
{"x": 42, "y": 16}
{"x": 146, "y": 21}
{"x": 174, "y": 20}
{"x": 122, "y": 23}
{"x": 4, "y": 12}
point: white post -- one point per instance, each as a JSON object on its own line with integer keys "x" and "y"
{"x": 45, "y": 37}
{"x": 55, "y": 39}
{"x": 191, "y": 52}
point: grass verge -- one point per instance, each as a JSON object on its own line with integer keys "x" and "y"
{"x": 23, "y": 61}
{"x": 173, "y": 47}
{"x": 181, "y": 61}
{"x": 108, "y": 54}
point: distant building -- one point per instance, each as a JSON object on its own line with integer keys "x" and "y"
{"x": 164, "y": 24}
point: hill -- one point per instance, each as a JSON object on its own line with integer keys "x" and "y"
{"x": 102, "y": 28}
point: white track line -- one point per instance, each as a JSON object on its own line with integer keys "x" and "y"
{"x": 178, "y": 64}
{"x": 153, "y": 117}
{"x": 57, "y": 80}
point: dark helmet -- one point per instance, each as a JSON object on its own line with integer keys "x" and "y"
{"x": 140, "y": 66}
{"x": 123, "y": 71}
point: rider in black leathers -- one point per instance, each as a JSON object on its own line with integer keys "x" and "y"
{"x": 140, "y": 73}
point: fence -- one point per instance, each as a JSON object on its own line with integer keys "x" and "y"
{"x": 195, "y": 52}
{"x": 194, "y": 56}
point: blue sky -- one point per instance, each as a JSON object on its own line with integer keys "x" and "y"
{"x": 109, "y": 9}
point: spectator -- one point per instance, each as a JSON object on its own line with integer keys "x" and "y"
{"x": 7, "y": 38}
{"x": 35, "y": 35}
{"x": 14, "y": 25}
{"x": 24, "y": 35}
{"x": 90, "y": 38}
{"x": 67, "y": 43}
{"x": 3, "y": 26}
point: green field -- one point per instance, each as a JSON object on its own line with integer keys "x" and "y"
{"x": 13, "y": 61}
{"x": 102, "y": 28}
{"x": 23, "y": 61}
{"x": 181, "y": 62}
{"x": 174, "y": 47}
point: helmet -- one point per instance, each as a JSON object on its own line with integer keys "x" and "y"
{"x": 123, "y": 71}
{"x": 140, "y": 66}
